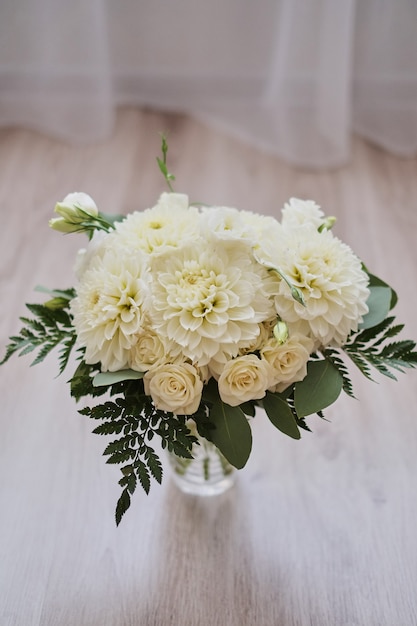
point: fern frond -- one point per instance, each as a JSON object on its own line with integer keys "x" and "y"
{"x": 334, "y": 357}
{"x": 48, "y": 329}
{"x": 369, "y": 349}
{"x": 133, "y": 418}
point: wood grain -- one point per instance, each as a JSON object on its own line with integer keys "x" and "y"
{"x": 317, "y": 532}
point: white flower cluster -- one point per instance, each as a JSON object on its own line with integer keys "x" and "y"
{"x": 185, "y": 294}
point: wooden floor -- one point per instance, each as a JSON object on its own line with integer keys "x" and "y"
{"x": 318, "y": 532}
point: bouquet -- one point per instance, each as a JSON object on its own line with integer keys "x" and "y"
{"x": 188, "y": 317}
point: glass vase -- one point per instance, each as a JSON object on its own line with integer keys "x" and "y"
{"x": 207, "y": 474}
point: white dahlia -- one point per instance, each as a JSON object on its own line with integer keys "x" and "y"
{"x": 298, "y": 213}
{"x": 166, "y": 225}
{"x": 332, "y": 282}
{"x": 267, "y": 231}
{"x": 96, "y": 247}
{"x": 109, "y": 308}
{"x": 209, "y": 297}
{"x": 226, "y": 223}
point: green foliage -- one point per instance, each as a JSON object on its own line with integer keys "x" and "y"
{"x": 50, "y": 327}
{"x": 333, "y": 355}
{"x": 105, "y": 379}
{"x": 374, "y": 281}
{"x": 281, "y": 414}
{"x": 133, "y": 419}
{"x": 232, "y": 434}
{"x": 81, "y": 384}
{"x": 162, "y": 163}
{"x": 371, "y": 348}
{"x": 111, "y": 219}
{"x": 319, "y": 389}
{"x": 379, "y": 303}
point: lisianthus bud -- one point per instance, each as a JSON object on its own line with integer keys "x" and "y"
{"x": 281, "y": 332}
{"x": 60, "y": 224}
{"x": 75, "y": 209}
{"x": 76, "y": 205}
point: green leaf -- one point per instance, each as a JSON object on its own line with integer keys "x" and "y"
{"x": 333, "y": 356}
{"x": 211, "y": 392}
{"x": 154, "y": 465}
{"x": 319, "y": 389}
{"x": 80, "y": 383}
{"x": 232, "y": 434}
{"x": 109, "y": 428}
{"x": 105, "y": 379}
{"x": 56, "y": 303}
{"x": 374, "y": 281}
{"x": 122, "y": 506}
{"x": 112, "y": 219}
{"x": 162, "y": 163}
{"x": 48, "y": 329}
{"x": 280, "y": 414}
{"x": 142, "y": 473}
{"x": 120, "y": 457}
{"x": 379, "y": 303}
{"x": 68, "y": 294}
{"x": 248, "y": 408}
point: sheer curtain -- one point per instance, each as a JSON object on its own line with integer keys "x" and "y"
{"x": 294, "y": 77}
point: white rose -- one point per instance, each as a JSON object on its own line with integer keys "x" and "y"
{"x": 244, "y": 378}
{"x": 288, "y": 360}
{"x": 147, "y": 351}
{"x": 174, "y": 387}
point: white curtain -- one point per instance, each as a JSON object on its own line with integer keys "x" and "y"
{"x": 294, "y": 77}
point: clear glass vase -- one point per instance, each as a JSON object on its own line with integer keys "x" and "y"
{"x": 207, "y": 474}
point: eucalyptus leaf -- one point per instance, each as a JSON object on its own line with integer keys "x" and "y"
{"x": 379, "y": 303}
{"x": 319, "y": 389}
{"x": 374, "y": 281}
{"x": 232, "y": 434}
{"x": 280, "y": 414}
{"x": 112, "y": 219}
{"x": 56, "y": 293}
{"x": 104, "y": 379}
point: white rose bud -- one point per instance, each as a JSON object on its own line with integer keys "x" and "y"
{"x": 174, "y": 387}
{"x": 244, "y": 378}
